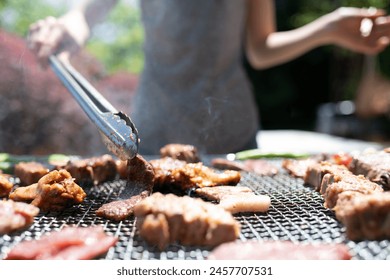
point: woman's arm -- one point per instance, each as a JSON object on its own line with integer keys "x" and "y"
{"x": 265, "y": 47}
{"x": 68, "y": 33}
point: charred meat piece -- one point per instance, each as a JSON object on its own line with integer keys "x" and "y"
{"x": 16, "y": 215}
{"x": 93, "y": 170}
{"x": 190, "y": 175}
{"x": 333, "y": 185}
{"x": 375, "y": 166}
{"x": 70, "y": 243}
{"x": 258, "y": 166}
{"x": 298, "y": 167}
{"x": 364, "y": 216}
{"x": 30, "y": 172}
{"x": 140, "y": 183}
{"x": 25, "y": 194}
{"x": 316, "y": 172}
{"x": 236, "y": 199}
{"x": 187, "y": 153}
{"x": 5, "y": 186}
{"x": 57, "y": 190}
{"x": 222, "y": 163}
{"x": 261, "y": 167}
{"x": 164, "y": 219}
{"x": 53, "y": 192}
{"x": 217, "y": 193}
{"x": 163, "y": 170}
{"x": 279, "y": 250}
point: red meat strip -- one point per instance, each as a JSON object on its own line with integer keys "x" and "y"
{"x": 279, "y": 250}
{"x": 70, "y": 243}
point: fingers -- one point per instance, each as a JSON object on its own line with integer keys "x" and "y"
{"x": 45, "y": 37}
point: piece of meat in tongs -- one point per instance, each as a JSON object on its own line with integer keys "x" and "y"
{"x": 118, "y": 131}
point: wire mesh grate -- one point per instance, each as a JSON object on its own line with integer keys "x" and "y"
{"x": 296, "y": 214}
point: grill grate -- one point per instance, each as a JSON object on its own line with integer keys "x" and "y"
{"x": 296, "y": 214}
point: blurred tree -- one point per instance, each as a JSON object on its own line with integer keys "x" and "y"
{"x": 117, "y": 42}
{"x": 16, "y": 16}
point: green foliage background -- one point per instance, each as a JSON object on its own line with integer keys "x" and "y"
{"x": 124, "y": 52}
{"x": 287, "y": 95}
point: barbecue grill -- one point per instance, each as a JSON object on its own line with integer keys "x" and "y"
{"x": 296, "y": 214}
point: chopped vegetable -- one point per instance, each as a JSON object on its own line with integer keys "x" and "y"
{"x": 7, "y": 161}
{"x": 257, "y": 153}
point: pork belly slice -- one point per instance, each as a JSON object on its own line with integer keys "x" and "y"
{"x": 298, "y": 167}
{"x": 261, "y": 167}
{"x": 140, "y": 181}
{"x": 5, "y": 186}
{"x": 187, "y": 153}
{"x": 375, "y": 166}
{"x": 164, "y": 219}
{"x": 245, "y": 203}
{"x": 54, "y": 192}
{"x": 279, "y": 250}
{"x": 172, "y": 172}
{"x": 364, "y": 216}
{"x": 94, "y": 170}
{"x": 30, "y": 172}
{"x": 316, "y": 172}
{"x": 223, "y": 163}
{"x": 16, "y": 215}
{"x": 70, "y": 243}
{"x": 333, "y": 185}
{"x": 236, "y": 199}
{"x": 258, "y": 166}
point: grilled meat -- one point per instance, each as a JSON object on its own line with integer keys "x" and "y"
{"x": 217, "y": 193}
{"x": 333, "y": 185}
{"x": 364, "y": 216}
{"x": 315, "y": 172}
{"x": 93, "y": 170}
{"x": 5, "y": 186}
{"x": 16, "y": 215}
{"x": 223, "y": 164}
{"x": 279, "y": 250}
{"x": 187, "y": 153}
{"x": 184, "y": 175}
{"x": 70, "y": 243}
{"x": 298, "y": 167}
{"x": 375, "y": 166}
{"x": 30, "y": 172}
{"x": 261, "y": 167}
{"x": 236, "y": 199}
{"x": 53, "y": 192}
{"x": 258, "y": 166}
{"x": 140, "y": 180}
{"x": 25, "y": 194}
{"x": 164, "y": 219}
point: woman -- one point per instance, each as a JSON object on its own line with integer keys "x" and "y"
{"x": 193, "y": 88}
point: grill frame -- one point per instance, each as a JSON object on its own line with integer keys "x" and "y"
{"x": 296, "y": 214}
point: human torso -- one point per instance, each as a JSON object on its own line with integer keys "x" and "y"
{"x": 193, "y": 89}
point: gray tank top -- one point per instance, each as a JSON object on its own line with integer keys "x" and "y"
{"x": 193, "y": 89}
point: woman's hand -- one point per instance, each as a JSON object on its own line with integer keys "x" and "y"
{"x": 63, "y": 36}
{"x": 345, "y": 29}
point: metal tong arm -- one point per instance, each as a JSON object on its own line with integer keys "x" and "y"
{"x": 115, "y": 126}
{"x": 91, "y": 101}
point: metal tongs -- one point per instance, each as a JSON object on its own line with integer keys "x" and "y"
{"x": 118, "y": 131}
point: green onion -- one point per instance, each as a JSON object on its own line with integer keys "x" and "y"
{"x": 257, "y": 153}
